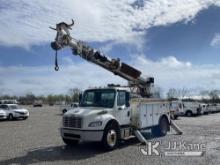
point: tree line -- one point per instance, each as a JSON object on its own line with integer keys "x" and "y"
{"x": 212, "y": 96}
{"x": 71, "y": 96}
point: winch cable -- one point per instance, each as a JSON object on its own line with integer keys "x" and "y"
{"x": 56, "y": 62}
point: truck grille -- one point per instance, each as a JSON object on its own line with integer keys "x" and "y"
{"x": 74, "y": 122}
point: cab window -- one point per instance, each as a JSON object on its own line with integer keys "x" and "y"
{"x": 121, "y": 100}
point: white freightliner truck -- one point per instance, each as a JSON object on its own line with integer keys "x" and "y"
{"x": 112, "y": 113}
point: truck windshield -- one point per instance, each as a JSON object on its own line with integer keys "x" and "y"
{"x": 98, "y": 98}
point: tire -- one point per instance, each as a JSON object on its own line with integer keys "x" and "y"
{"x": 175, "y": 117}
{"x": 161, "y": 129}
{"x": 64, "y": 111}
{"x": 70, "y": 142}
{"x": 110, "y": 138}
{"x": 10, "y": 117}
{"x": 189, "y": 114}
{"x": 25, "y": 118}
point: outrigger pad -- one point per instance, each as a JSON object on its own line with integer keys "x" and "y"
{"x": 130, "y": 71}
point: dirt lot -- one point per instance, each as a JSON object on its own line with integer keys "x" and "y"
{"x": 37, "y": 141}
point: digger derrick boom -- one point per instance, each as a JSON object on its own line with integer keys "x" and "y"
{"x": 64, "y": 39}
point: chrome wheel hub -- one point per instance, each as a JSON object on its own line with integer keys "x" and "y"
{"x": 111, "y": 138}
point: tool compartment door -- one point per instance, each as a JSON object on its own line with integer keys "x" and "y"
{"x": 145, "y": 115}
{"x": 157, "y": 108}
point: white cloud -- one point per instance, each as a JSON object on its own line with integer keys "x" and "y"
{"x": 24, "y": 23}
{"x": 216, "y": 40}
{"x": 168, "y": 72}
{"x": 20, "y": 80}
{"x": 172, "y": 73}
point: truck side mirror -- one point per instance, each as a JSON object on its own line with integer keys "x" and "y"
{"x": 121, "y": 107}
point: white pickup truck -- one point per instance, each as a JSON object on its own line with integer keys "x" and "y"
{"x": 192, "y": 109}
{"x": 65, "y": 108}
{"x": 109, "y": 114}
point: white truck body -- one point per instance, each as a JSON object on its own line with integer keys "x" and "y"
{"x": 89, "y": 123}
{"x": 204, "y": 108}
{"x": 176, "y": 109}
{"x": 192, "y": 108}
{"x": 213, "y": 108}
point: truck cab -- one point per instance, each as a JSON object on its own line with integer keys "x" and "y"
{"x": 105, "y": 115}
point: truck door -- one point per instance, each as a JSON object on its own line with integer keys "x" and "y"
{"x": 123, "y": 109}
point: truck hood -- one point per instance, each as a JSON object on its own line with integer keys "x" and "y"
{"x": 86, "y": 111}
{"x": 2, "y": 112}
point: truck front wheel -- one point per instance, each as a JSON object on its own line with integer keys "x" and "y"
{"x": 70, "y": 142}
{"x": 110, "y": 137}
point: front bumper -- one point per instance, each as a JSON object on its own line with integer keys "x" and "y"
{"x": 81, "y": 135}
{"x": 19, "y": 115}
{"x": 2, "y": 117}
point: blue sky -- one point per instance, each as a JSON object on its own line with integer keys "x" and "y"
{"x": 176, "y": 42}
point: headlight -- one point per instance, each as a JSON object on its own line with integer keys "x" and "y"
{"x": 95, "y": 124}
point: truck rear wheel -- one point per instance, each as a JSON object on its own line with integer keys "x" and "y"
{"x": 70, "y": 142}
{"x": 162, "y": 128}
{"x": 189, "y": 114}
{"x": 110, "y": 138}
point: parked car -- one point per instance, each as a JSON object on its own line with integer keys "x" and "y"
{"x": 38, "y": 103}
{"x": 3, "y": 114}
{"x": 13, "y": 111}
{"x": 65, "y": 108}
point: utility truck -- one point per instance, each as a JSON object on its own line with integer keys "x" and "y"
{"x": 115, "y": 112}
{"x": 192, "y": 109}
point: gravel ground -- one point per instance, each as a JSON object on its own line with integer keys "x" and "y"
{"x": 37, "y": 141}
